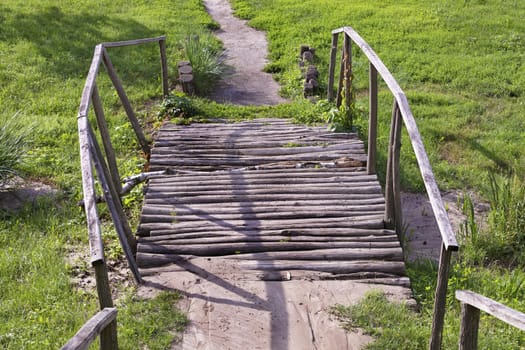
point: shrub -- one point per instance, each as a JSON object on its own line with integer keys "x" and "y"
{"x": 206, "y": 61}
{"x": 14, "y": 139}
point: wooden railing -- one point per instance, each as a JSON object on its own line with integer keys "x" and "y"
{"x": 105, "y": 164}
{"x": 400, "y": 113}
{"x": 100, "y": 324}
{"x": 471, "y": 304}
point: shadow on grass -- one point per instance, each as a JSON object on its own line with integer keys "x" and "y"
{"x": 66, "y": 40}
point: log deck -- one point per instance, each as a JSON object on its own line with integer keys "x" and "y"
{"x": 267, "y": 198}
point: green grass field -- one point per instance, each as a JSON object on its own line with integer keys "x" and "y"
{"x": 460, "y": 63}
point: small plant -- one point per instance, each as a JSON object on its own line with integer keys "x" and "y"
{"x": 206, "y": 61}
{"x": 177, "y": 105}
{"x": 14, "y": 139}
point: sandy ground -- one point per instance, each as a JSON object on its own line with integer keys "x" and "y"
{"x": 245, "y": 54}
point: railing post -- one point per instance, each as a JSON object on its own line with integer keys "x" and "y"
{"x": 164, "y": 67}
{"x": 440, "y": 299}
{"x": 372, "y": 121}
{"x": 389, "y": 181}
{"x": 331, "y": 69}
{"x": 347, "y": 45}
{"x": 468, "y": 334}
{"x": 396, "y": 173}
{"x": 125, "y": 102}
{"x": 342, "y": 66}
{"x": 108, "y": 337}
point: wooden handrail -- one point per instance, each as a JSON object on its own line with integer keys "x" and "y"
{"x": 447, "y": 234}
{"x": 91, "y": 330}
{"x": 401, "y": 111}
{"x": 471, "y": 304}
{"x": 105, "y": 165}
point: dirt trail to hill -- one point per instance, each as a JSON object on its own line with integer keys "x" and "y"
{"x": 245, "y": 51}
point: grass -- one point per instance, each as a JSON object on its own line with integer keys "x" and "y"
{"x": 461, "y": 66}
{"x": 45, "y": 52}
{"x": 14, "y": 141}
{"x": 466, "y": 89}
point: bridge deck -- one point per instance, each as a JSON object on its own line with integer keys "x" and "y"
{"x": 266, "y": 199}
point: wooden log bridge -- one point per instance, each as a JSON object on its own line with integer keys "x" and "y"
{"x": 266, "y": 198}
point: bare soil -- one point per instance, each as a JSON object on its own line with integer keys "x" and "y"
{"x": 245, "y": 54}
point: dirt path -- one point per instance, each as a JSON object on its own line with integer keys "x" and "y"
{"x": 246, "y": 50}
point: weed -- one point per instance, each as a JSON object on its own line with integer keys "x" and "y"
{"x": 206, "y": 61}
{"x": 177, "y": 105}
{"x": 14, "y": 141}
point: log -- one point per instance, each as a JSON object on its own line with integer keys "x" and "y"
{"x": 255, "y": 209}
{"x": 339, "y": 267}
{"x": 247, "y": 216}
{"x": 248, "y": 187}
{"x": 161, "y": 198}
{"x": 313, "y": 232}
{"x": 208, "y": 238}
{"x": 346, "y": 254}
{"x": 365, "y": 223}
{"x": 254, "y": 247}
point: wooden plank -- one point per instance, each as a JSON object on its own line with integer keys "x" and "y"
{"x": 161, "y": 198}
{"x": 493, "y": 308}
{"x": 384, "y": 253}
{"x": 232, "y": 248}
{"x": 125, "y": 102}
{"x": 334, "y": 232}
{"x": 133, "y": 42}
{"x": 90, "y": 82}
{"x": 120, "y": 221}
{"x": 106, "y": 140}
{"x": 91, "y": 329}
{"x": 255, "y": 209}
{"x": 208, "y": 238}
{"x": 364, "y": 222}
{"x": 96, "y": 246}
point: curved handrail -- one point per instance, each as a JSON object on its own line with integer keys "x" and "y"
{"x": 447, "y": 234}
{"x": 401, "y": 112}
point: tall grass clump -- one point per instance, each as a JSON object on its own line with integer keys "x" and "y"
{"x": 205, "y": 57}
{"x": 502, "y": 241}
{"x": 14, "y": 140}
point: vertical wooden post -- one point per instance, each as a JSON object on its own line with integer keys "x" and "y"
{"x": 396, "y": 174}
{"x": 347, "y": 46}
{"x": 106, "y": 140}
{"x": 468, "y": 334}
{"x": 331, "y": 69}
{"x": 125, "y": 102}
{"x": 164, "y": 67}
{"x": 389, "y": 181}
{"x": 108, "y": 336}
{"x": 372, "y": 121}
{"x": 342, "y": 66}
{"x": 440, "y": 299}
